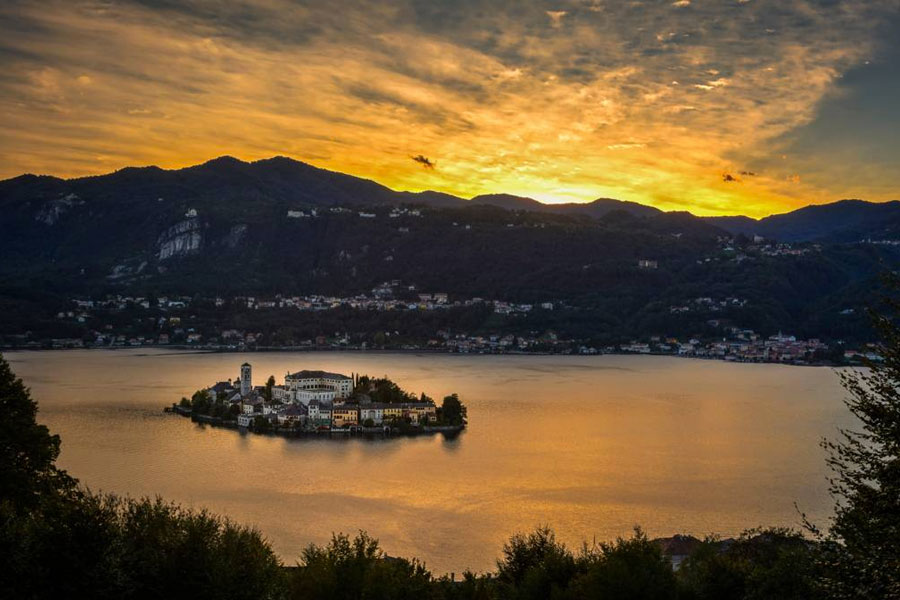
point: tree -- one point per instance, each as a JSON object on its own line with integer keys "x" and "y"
{"x": 632, "y": 569}
{"x": 357, "y": 568}
{"x": 267, "y": 392}
{"x": 59, "y": 541}
{"x": 261, "y": 424}
{"x": 453, "y": 412}
{"x": 201, "y": 402}
{"x": 535, "y": 566}
{"x": 767, "y": 563}
{"x": 861, "y": 557}
{"x": 28, "y": 451}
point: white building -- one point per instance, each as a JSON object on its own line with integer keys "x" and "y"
{"x": 322, "y": 394}
{"x": 373, "y": 411}
{"x": 318, "y": 381}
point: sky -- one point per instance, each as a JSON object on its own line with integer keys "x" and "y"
{"x": 717, "y": 107}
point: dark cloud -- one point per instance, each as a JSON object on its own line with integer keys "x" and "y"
{"x": 424, "y": 161}
{"x": 729, "y": 178}
{"x": 748, "y": 173}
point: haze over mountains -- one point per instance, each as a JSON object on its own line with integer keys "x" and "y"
{"x": 297, "y": 184}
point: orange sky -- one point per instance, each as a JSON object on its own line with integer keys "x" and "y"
{"x": 683, "y": 105}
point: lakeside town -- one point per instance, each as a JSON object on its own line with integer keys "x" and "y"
{"x": 124, "y": 321}
{"x": 315, "y": 401}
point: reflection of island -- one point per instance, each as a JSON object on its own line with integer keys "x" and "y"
{"x": 322, "y": 402}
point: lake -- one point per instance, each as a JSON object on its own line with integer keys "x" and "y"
{"x": 589, "y": 445}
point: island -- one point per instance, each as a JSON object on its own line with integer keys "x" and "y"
{"x": 314, "y": 402}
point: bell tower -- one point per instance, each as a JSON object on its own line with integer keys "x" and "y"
{"x": 246, "y": 384}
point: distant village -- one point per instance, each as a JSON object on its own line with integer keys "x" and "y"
{"x": 175, "y": 329}
{"x": 316, "y": 401}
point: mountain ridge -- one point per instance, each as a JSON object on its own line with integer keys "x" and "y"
{"x": 291, "y": 181}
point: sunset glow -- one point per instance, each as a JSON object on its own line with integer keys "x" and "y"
{"x": 738, "y": 107}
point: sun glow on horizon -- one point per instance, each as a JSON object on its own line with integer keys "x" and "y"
{"x": 712, "y": 109}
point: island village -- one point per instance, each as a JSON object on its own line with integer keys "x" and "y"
{"x": 312, "y": 401}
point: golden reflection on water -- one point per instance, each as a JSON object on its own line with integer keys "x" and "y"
{"x": 590, "y": 445}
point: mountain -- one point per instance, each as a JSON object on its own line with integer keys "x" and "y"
{"x": 843, "y": 221}
{"x": 596, "y": 208}
{"x": 510, "y": 202}
{"x": 293, "y": 185}
{"x": 229, "y": 228}
{"x": 277, "y": 180}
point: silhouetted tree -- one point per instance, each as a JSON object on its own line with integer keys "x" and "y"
{"x": 28, "y": 451}
{"x": 632, "y": 569}
{"x": 767, "y": 563}
{"x": 535, "y": 566}
{"x": 861, "y": 557}
{"x": 453, "y": 412}
{"x": 354, "y": 569}
{"x": 267, "y": 392}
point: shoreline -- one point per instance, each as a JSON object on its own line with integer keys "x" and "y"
{"x": 182, "y": 349}
{"x": 330, "y": 433}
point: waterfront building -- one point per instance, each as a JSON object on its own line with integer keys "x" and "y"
{"x": 319, "y": 412}
{"x": 392, "y": 412}
{"x": 372, "y": 410}
{"x": 346, "y": 415}
{"x": 294, "y": 413}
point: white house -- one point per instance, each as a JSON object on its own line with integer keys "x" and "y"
{"x": 374, "y": 411}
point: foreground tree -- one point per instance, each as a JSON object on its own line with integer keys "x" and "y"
{"x": 535, "y": 566}
{"x": 632, "y": 569}
{"x": 348, "y": 569}
{"x": 28, "y": 451}
{"x": 60, "y": 541}
{"x": 767, "y": 563}
{"x": 861, "y": 550}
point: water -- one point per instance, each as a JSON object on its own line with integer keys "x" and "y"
{"x": 589, "y": 445}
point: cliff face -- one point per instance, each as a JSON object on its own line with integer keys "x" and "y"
{"x": 52, "y": 210}
{"x": 182, "y": 239}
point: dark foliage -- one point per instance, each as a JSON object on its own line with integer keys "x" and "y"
{"x": 60, "y": 541}
{"x": 861, "y": 557}
{"x": 28, "y": 451}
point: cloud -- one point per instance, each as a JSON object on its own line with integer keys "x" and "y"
{"x": 424, "y": 161}
{"x": 729, "y": 178}
{"x": 626, "y": 146}
{"x": 509, "y": 103}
